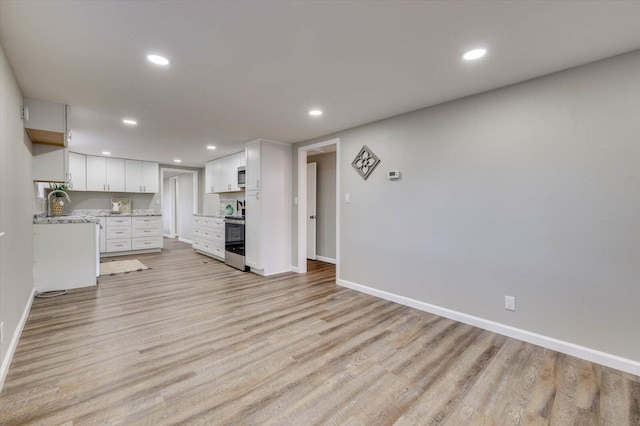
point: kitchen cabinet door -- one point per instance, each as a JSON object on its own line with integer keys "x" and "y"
{"x": 253, "y": 230}
{"x": 235, "y": 161}
{"x": 49, "y": 163}
{"x": 133, "y": 175}
{"x": 141, "y": 176}
{"x": 96, "y": 173}
{"x": 150, "y": 177}
{"x": 209, "y": 177}
{"x": 253, "y": 165}
{"x": 219, "y": 181}
{"x": 115, "y": 175}
{"x": 77, "y": 171}
{"x": 46, "y": 122}
{"x": 103, "y": 234}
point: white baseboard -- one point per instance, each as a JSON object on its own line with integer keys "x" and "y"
{"x": 295, "y": 269}
{"x": 168, "y": 236}
{"x": 326, "y": 259}
{"x": 592, "y": 355}
{"x": 6, "y": 362}
{"x": 184, "y": 240}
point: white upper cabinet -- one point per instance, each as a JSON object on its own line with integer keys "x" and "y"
{"x": 221, "y": 175}
{"x": 105, "y": 174}
{"x": 150, "y": 176}
{"x": 96, "y": 173}
{"x": 115, "y": 175}
{"x": 49, "y": 163}
{"x": 253, "y": 165}
{"x": 209, "y": 177}
{"x": 133, "y": 175}
{"x": 141, "y": 176}
{"x": 46, "y": 122}
{"x": 77, "y": 177}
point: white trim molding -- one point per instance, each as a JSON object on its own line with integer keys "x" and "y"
{"x": 583, "y": 352}
{"x": 302, "y": 203}
{"x": 294, "y": 269}
{"x": 184, "y": 240}
{"x": 325, "y": 259}
{"x": 6, "y": 362}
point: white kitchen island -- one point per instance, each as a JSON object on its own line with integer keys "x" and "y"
{"x": 65, "y": 255}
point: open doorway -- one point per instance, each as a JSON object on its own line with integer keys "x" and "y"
{"x": 179, "y": 199}
{"x": 314, "y": 211}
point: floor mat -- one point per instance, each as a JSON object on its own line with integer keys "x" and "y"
{"x": 120, "y": 266}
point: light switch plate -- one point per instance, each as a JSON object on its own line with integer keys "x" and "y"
{"x": 347, "y": 198}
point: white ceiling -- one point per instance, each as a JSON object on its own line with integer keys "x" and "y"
{"x": 248, "y": 69}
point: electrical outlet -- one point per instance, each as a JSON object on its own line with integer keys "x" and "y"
{"x": 510, "y": 303}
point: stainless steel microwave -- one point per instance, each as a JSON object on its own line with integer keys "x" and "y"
{"x": 242, "y": 176}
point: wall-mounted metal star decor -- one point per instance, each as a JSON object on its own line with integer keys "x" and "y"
{"x": 365, "y": 162}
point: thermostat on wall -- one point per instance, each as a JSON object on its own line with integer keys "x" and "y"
{"x": 393, "y": 174}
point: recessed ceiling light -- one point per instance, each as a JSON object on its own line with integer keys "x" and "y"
{"x": 211, "y": 147}
{"x": 177, "y": 160}
{"x": 474, "y": 54}
{"x": 315, "y": 112}
{"x": 158, "y": 60}
{"x": 130, "y": 122}
{"x": 106, "y": 153}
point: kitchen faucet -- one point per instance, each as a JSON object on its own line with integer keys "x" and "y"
{"x": 49, "y": 199}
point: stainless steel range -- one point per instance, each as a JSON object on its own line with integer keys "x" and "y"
{"x": 234, "y": 242}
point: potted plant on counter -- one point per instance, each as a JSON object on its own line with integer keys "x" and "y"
{"x": 58, "y": 197}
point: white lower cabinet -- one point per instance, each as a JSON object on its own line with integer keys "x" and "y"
{"x": 64, "y": 256}
{"x": 146, "y": 233}
{"x": 208, "y": 236}
{"x": 103, "y": 234}
{"x": 126, "y": 233}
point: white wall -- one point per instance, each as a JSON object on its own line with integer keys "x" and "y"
{"x": 531, "y": 190}
{"x": 16, "y": 210}
{"x": 325, "y": 203}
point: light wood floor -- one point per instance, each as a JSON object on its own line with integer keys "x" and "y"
{"x": 192, "y": 341}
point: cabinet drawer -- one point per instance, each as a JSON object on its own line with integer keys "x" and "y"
{"x": 147, "y": 222}
{"x": 218, "y": 252}
{"x": 114, "y": 232}
{"x": 198, "y": 231}
{"x": 146, "y": 243}
{"x": 146, "y": 232}
{"x": 118, "y": 221}
{"x": 203, "y": 233}
{"x": 218, "y": 237}
{"x": 218, "y": 223}
{"x": 123, "y": 244}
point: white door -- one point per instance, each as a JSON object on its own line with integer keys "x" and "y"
{"x": 311, "y": 210}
